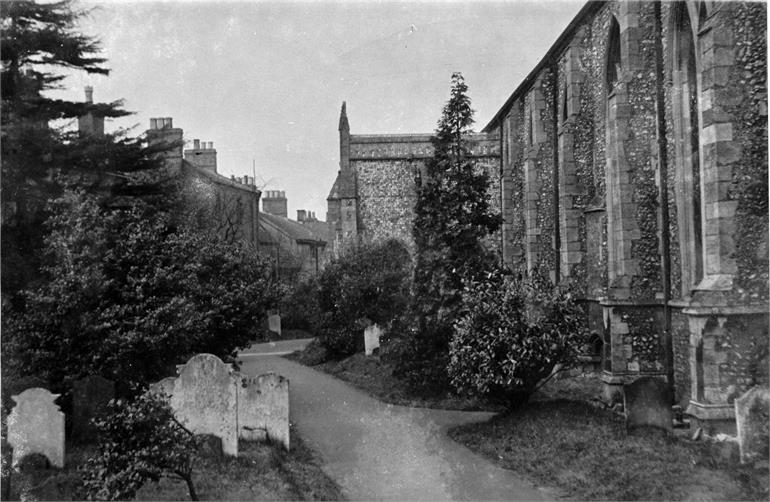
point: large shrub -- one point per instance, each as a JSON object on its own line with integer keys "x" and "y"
{"x": 299, "y": 306}
{"x": 139, "y": 441}
{"x": 128, "y": 296}
{"x": 368, "y": 283}
{"x": 512, "y": 336}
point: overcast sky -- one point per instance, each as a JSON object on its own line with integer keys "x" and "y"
{"x": 264, "y": 81}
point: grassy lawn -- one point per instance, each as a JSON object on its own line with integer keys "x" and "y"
{"x": 260, "y": 472}
{"x": 585, "y": 452}
{"x": 374, "y": 376}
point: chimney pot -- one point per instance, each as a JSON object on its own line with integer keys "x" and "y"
{"x": 232, "y": 177}
{"x": 153, "y": 123}
{"x": 89, "y": 94}
{"x": 211, "y": 145}
{"x": 196, "y": 144}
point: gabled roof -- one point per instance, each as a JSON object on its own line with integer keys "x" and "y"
{"x": 272, "y": 223}
{"x": 334, "y": 193}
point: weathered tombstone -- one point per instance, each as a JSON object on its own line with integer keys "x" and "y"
{"x": 36, "y": 425}
{"x": 90, "y": 396}
{"x": 205, "y": 401}
{"x": 165, "y": 386}
{"x": 647, "y": 403}
{"x": 263, "y": 408}
{"x": 752, "y": 419}
{"x": 274, "y": 323}
{"x": 372, "y": 339}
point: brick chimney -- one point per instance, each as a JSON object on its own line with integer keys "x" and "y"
{"x": 274, "y": 202}
{"x": 89, "y": 124}
{"x": 162, "y": 131}
{"x": 301, "y": 215}
{"x": 202, "y": 154}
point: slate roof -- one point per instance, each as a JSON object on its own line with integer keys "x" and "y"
{"x": 272, "y": 224}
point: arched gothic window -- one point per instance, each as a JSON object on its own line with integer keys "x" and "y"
{"x": 613, "y": 56}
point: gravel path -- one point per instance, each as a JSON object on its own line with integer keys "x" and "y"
{"x": 377, "y": 451}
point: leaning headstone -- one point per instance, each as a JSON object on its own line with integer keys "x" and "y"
{"x": 752, "y": 419}
{"x": 205, "y": 401}
{"x": 165, "y": 386}
{"x": 36, "y": 425}
{"x": 647, "y": 403}
{"x": 274, "y": 323}
{"x": 90, "y": 396}
{"x": 263, "y": 408}
{"x": 372, "y": 339}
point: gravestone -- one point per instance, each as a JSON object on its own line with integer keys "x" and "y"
{"x": 647, "y": 403}
{"x": 165, "y": 386}
{"x": 90, "y": 396}
{"x": 36, "y": 425}
{"x": 263, "y": 408}
{"x": 274, "y": 323}
{"x": 372, "y": 339}
{"x": 205, "y": 401}
{"x": 752, "y": 419}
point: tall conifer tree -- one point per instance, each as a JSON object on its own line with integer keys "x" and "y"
{"x": 452, "y": 217}
{"x": 40, "y": 45}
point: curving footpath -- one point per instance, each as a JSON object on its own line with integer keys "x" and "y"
{"x": 377, "y": 451}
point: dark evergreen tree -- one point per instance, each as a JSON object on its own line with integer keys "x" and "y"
{"x": 39, "y": 45}
{"x": 452, "y": 217}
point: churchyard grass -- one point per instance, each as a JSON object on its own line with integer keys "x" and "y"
{"x": 586, "y": 452}
{"x": 260, "y": 472}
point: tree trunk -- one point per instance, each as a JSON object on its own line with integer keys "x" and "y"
{"x": 190, "y": 487}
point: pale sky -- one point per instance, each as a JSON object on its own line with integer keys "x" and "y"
{"x": 264, "y": 81}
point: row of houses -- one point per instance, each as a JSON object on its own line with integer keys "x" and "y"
{"x": 231, "y": 206}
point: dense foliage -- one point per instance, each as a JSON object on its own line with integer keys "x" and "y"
{"x": 512, "y": 336}
{"x": 299, "y": 306}
{"x": 129, "y": 295}
{"x": 139, "y": 441}
{"x": 452, "y": 217}
{"x": 40, "y": 43}
{"x": 368, "y": 283}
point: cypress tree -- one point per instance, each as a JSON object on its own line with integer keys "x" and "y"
{"x": 452, "y": 217}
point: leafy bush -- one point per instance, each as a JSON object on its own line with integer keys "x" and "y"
{"x": 512, "y": 336}
{"x": 139, "y": 441}
{"x": 128, "y": 296}
{"x": 368, "y": 283}
{"x": 299, "y": 307}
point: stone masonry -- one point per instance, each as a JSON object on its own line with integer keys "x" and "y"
{"x": 374, "y": 194}
{"x": 634, "y": 167}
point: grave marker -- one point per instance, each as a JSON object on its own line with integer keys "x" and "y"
{"x": 165, "y": 386}
{"x": 274, "y": 323}
{"x": 204, "y": 399}
{"x": 372, "y": 339}
{"x": 263, "y": 408}
{"x": 647, "y": 403}
{"x": 36, "y": 425}
{"x": 90, "y": 396}
{"x": 752, "y": 419}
